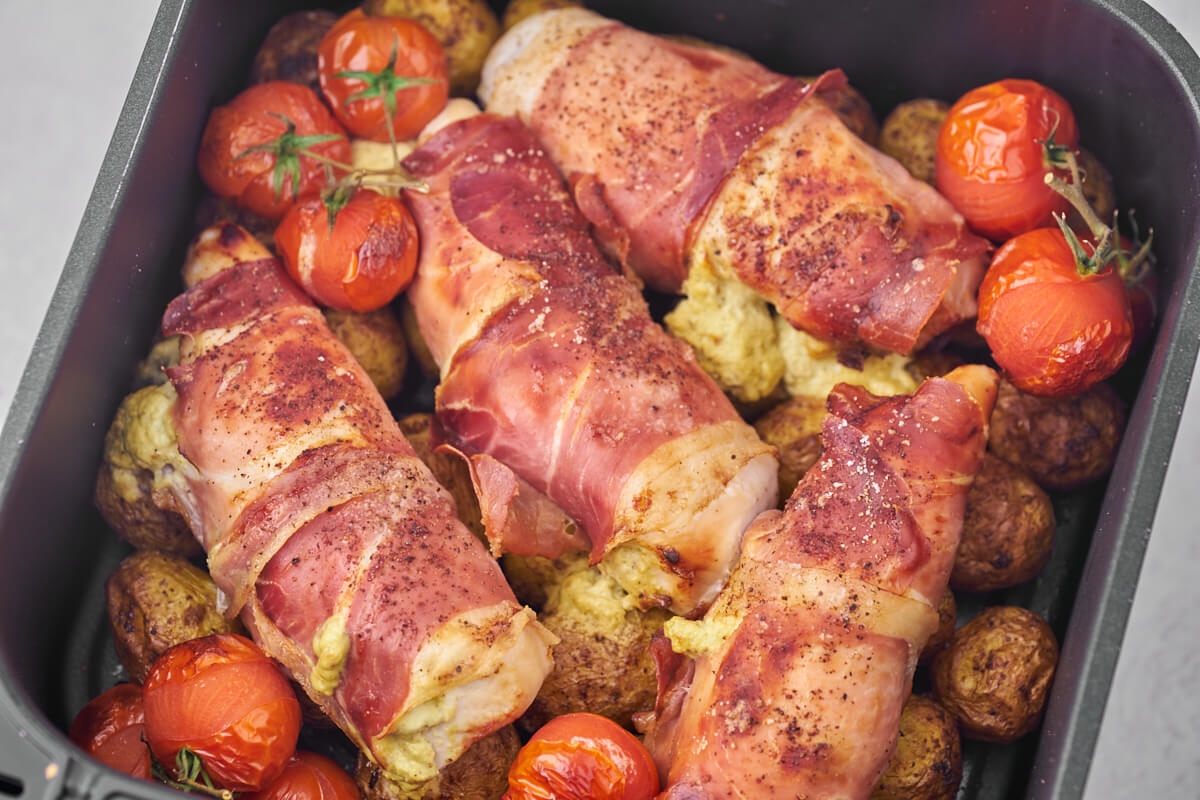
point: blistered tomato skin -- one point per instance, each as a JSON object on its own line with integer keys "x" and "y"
{"x": 225, "y": 700}
{"x": 363, "y": 263}
{"x": 582, "y": 757}
{"x": 990, "y": 161}
{"x": 309, "y": 776}
{"x": 1053, "y": 331}
{"x": 109, "y": 729}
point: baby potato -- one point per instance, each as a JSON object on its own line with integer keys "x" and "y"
{"x": 1008, "y": 530}
{"x": 155, "y": 601}
{"x": 947, "y": 618}
{"x": 996, "y": 673}
{"x": 852, "y": 109}
{"x": 376, "y": 340}
{"x": 910, "y": 134}
{"x": 481, "y": 773}
{"x": 289, "y": 53}
{"x": 927, "y": 762}
{"x": 164, "y": 354}
{"x": 517, "y": 10}
{"x": 1063, "y": 442}
{"x": 794, "y": 428}
{"x": 450, "y": 470}
{"x": 467, "y": 30}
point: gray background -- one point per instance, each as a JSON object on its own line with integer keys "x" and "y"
{"x": 64, "y": 72}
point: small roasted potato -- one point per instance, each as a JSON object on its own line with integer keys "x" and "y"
{"x": 995, "y": 676}
{"x": 602, "y": 661}
{"x": 450, "y": 470}
{"x": 481, "y": 773}
{"x": 289, "y": 53}
{"x": 910, "y": 133}
{"x": 927, "y": 761}
{"x": 155, "y": 601}
{"x": 416, "y": 342}
{"x": 794, "y": 428}
{"x": 376, "y": 340}
{"x": 467, "y": 30}
{"x": 517, "y": 10}
{"x": 125, "y": 500}
{"x": 164, "y": 354}
{"x": 533, "y": 578}
{"x": 852, "y": 109}
{"x": 1063, "y": 442}
{"x": 947, "y": 618}
{"x": 1008, "y": 530}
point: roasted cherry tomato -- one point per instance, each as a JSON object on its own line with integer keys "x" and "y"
{"x": 373, "y": 69}
{"x": 109, "y": 729}
{"x": 227, "y": 702}
{"x": 992, "y": 158}
{"x": 1053, "y": 330}
{"x": 582, "y": 757}
{"x": 309, "y": 776}
{"x": 360, "y": 262}
{"x": 257, "y": 149}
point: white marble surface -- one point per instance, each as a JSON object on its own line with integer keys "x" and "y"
{"x": 64, "y": 72}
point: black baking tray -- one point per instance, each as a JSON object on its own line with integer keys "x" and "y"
{"x": 1131, "y": 78}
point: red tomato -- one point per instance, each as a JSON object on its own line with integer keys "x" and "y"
{"x": 109, "y": 729}
{"x": 225, "y": 700}
{"x": 251, "y": 154}
{"x": 309, "y": 776}
{"x": 582, "y": 757}
{"x": 373, "y": 68}
{"x": 367, "y": 258}
{"x": 990, "y": 161}
{"x": 1053, "y": 330}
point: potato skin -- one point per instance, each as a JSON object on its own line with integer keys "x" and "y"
{"x": 517, "y": 10}
{"x": 1008, "y": 530}
{"x": 467, "y": 30}
{"x": 927, "y": 762}
{"x": 289, "y": 51}
{"x": 995, "y": 676}
{"x": 163, "y": 354}
{"x": 481, "y": 773}
{"x": 533, "y": 578}
{"x": 450, "y": 470}
{"x": 155, "y": 601}
{"x": 139, "y": 521}
{"x": 1063, "y": 442}
{"x": 947, "y": 618}
{"x": 910, "y": 132}
{"x": 376, "y": 340}
{"x": 794, "y": 428}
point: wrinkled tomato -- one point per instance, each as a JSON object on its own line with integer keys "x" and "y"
{"x": 991, "y": 160}
{"x": 309, "y": 776}
{"x": 582, "y": 757}
{"x": 109, "y": 729}
{"x": 257, "y": 149}
{"x": 1053, "y": 330}
{"x": 362, "y": 262}
{"x": 372, "y": 69}
{"x": 227, "y": 702}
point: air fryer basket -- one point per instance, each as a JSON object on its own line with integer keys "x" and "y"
{"x": 1132, "y": 80}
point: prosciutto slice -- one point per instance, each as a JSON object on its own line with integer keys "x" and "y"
{"x": 793, "y": 683}
{"x": 553, "y": 368}
{"x": 678, "y": 153}
{"x": 331, "y": 538}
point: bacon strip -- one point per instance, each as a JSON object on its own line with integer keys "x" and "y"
{"x": 797, "y": 690}
{"x": 326, "y": 532}
{"x": 553, "y": 368}
{"x": 679, "y": 153}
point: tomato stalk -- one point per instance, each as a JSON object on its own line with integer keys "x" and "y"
{"x": 189, "y": 776}
{"x": 287, "y": 149}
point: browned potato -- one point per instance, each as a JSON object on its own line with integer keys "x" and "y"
{"x": 420, "y": 350}
{"x": 449, "y": 470}
{"x": 910, "y": 134}
{"x": 1008, "y": 530}
{"x": 927, "y": 762}
{"x": 289, "y": 53}
{"x": 947, "y": 618}
{"x": 155, "y": 601}
{"x": 517, "y": 10}
{"x": 1063, "y": 442}
{"x": 164, "y": 353}
{"x": 794, "y": 427}
{"x": 996, "y": 673}
{"x": 467, "y": 30}
{"x": 376, "y": 340}
{"x": 481, "y": 773}
{"x": 131, "y": 512}
{"x": 928, "y": 364}
{"x": 853, "y": 110}
{"x": 602, "y": 661}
